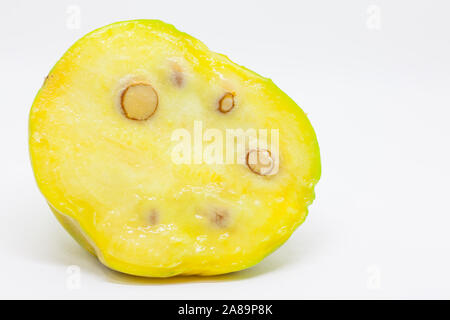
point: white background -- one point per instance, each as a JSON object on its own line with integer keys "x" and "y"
{"x": 374, "y": 78}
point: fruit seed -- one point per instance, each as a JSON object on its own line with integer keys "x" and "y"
{"x": 260, "y": 161}
{"x": 226, "y": 103}
{"x": 139, "y": 101}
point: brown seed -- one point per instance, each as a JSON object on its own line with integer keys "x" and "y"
{"x": 260, "y": 161}
{"x": 139, "y": 101}
{"x": 220, "y": 218}
{"x": 226, "y": 103}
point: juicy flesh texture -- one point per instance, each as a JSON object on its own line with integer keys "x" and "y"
{"x": 113, "y": 177}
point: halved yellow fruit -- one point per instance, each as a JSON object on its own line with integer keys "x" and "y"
{"x": 102, "y": 147}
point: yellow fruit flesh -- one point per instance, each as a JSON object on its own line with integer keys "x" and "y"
{"x": 109, "y": 173}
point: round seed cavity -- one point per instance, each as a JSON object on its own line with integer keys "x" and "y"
{"x": 226, "y": 103}
{"x": 139, "y": 101}
{"x": 260, "y": 161}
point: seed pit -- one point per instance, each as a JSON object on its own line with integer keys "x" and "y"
{"x": 153, "y": 217}
{"x": 226, "y": 103}
{"x": 220, "y": 218}
{"x": 178, "y": 79}
{"x": 139, "y": 101}
{"x": 260, "y": 161}
{"x": 177, "y": 76}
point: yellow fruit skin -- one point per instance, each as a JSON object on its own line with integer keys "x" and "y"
{"x": 79, "y": 204}
{"x": 73, "y": 228}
